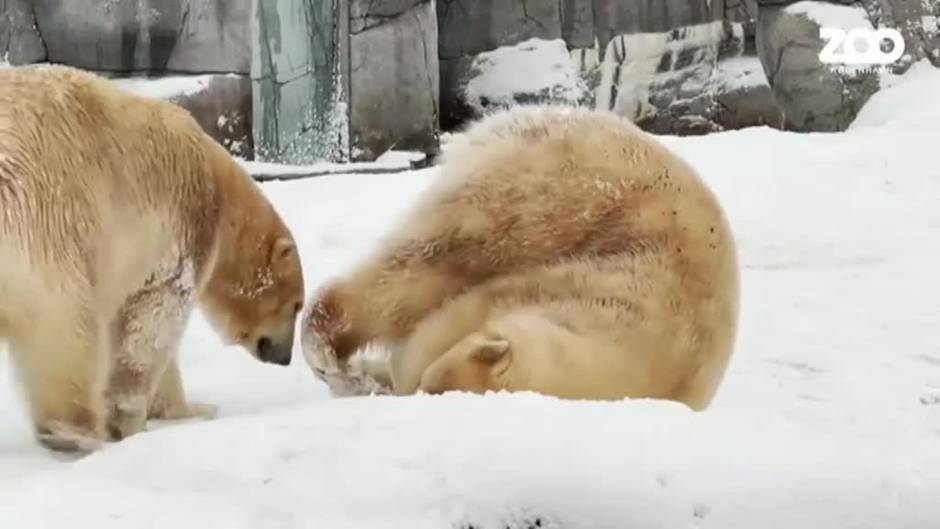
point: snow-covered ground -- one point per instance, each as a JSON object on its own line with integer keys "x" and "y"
{"x": 829, "y": 416}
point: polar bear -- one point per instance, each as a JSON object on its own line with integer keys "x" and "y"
{"x": 561, "y": 250}
{"x": 117, "y": 214}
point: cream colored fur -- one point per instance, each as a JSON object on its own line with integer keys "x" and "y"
{"x": 117, "y": 213}
{"x": 563, "y": 251}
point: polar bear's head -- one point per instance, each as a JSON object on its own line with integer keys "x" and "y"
{"x": 254, "y": 290}
{"x": 256, "y": 306}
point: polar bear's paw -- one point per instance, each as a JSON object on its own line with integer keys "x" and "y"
{"x": 63, "y": 437}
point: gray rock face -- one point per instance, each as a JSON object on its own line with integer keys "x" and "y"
{"x": 468, "y": 27}
{"x": 298, "y": 100}
{"x": 615, "y": 17}
{"x": 917, "y": 20}
{"x": 577, "y": 23}
{"x": 394, "y": 76}
{"x": 214, "y": 36}
{"x": 20, "y": 42}
{"x": 745, "y": 99}
{"x": 745, "y": 13}
{"x": 147, "y": 35}
{"x": 471, "y": 27}
{"x": 741, "y": 10}
{"x": 814, "y": 96}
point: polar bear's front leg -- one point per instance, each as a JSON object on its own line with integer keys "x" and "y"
{"x": 169, "y": 402}
{"x": 145, "y": 339}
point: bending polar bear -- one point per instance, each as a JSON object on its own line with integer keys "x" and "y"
{"x": 562, "y": 251}
{"x": 116, "y": 214}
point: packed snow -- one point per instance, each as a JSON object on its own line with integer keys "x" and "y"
{"x": 829, "y": 415}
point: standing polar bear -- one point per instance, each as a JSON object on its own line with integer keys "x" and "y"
{"x": 117, "y": 213}
{"x": 561, "y": 251}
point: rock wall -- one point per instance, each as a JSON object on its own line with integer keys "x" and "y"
{"x": 694, "y": 80}
{"x": 331, "y": 79}
{"x": 299, "y": 110}
{"x": 188, "y": 36}
{"x": 345, "y": 79}
{"x": 349, "y": 79}
{"x": 147, "y": 39}
{"x": 394, "y": 80}
{"x": 659, "y": 62}
{"x": 20, "y": 41}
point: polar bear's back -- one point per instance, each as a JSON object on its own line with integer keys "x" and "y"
{"x": 84, "y": 168}
{"x": 562, "y": 182}
{"x": 72, "y": 133}
{"x": 76, "y": 151}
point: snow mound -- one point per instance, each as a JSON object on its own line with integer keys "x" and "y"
{"x": 913, "y": 100}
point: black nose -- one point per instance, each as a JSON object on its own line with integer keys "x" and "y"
{"x": 273, "y": 352}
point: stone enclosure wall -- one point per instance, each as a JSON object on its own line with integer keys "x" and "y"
{"x": 299, "y": 81}
{"x": 203, "y": 45}
{"x": 675, "y": 66}
{"x": 344, "y": 79}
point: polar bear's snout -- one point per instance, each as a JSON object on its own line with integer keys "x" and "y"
{"x": 275, "y": 352}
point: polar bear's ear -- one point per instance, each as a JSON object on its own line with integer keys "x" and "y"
{"x": 283, "y": 247}
{"x": 490, "y": 351}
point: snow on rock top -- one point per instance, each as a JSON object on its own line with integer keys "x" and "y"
{"x": 534, "y": 66}
{"x": 831, "y": 15}
{"x": 165, "y": 87}
{"x": 740, "y": 72}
